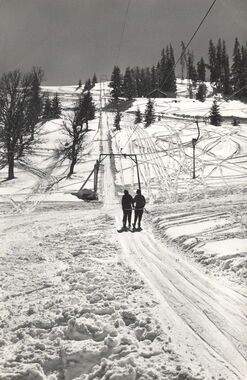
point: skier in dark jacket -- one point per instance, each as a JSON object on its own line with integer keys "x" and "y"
{"x": 127, "y": 204}
{"x": 139, "y": 203}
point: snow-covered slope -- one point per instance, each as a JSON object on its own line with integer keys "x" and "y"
{"x": 80, "y": 301}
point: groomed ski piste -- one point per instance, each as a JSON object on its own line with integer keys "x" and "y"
{"x": 80, "y": 301}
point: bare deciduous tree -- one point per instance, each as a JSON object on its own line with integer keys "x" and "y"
{"x": 17, "y": 115}
{"x": 71, "y": 149}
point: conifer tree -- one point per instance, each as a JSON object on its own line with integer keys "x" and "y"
{"x": 201, "y": 70}
{"x": 192, "y": 73}
{"x": 202, "y": 92}
{"x": 138, "y": 116}
{"x": 87, "y": 109}
{"x": 129, "y": 85}
{"x": 183, "y": 60}
{"x": 154, "y": 79}
{"x": 215, "y": 116}
{"x": 79, "y": 83}
{"x": 79, "y": 112}
{"x": 218, "y": 64}
{"x": 239, "y": 69}
{"x": 115, "y": 83}
{"x": 47, "y": 112}
{"x": 94, "y": 80}
{"x": 243, "y": 78}
{"x": 149, "y": 113}
{"x": 147, "y": 81}
{"x": 136, "y": 73}
{"x": 171, "y": 80}
{"x": 117, "y": 120}
{"x": 56, "y": 107}
{"x": 236, "y": 66}
{"x": 162, "y": 68}
{"x": 87, "y": 85}
{"x": 212, "y": 61}
{"x": 142, "y": 83}
{"x": 225, "y": 77}
{"x": 167, "y": 73}
{"x": 158, "y": 75}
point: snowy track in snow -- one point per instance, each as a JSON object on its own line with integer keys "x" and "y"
{"x": 61, "y": 268}
{"x": 208, "y": 319}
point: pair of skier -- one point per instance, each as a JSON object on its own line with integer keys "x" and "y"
{"x": 138, "y": 203}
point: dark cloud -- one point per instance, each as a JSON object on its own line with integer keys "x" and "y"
{"x": 72, "y": 39}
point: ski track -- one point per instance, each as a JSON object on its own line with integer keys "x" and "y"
{"x": 214, "y": 330}
{"x": 208, "y": 318}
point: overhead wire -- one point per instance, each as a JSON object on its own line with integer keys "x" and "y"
{"x": 122, "y": 32}
{"x": 175, "y": 64}
{"x": 189, "y": 124}
{"x": 129, "y": 137}
{"x": 120, "y": 46}
{"x": 183, "y": 53}
{"x": 192, "y": 37}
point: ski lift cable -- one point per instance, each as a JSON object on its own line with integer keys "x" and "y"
{"x": 122, "y": 32}
{"x": 231, "y": 96}
{"x": 183, "y": 52}
{"x": 129, "y": 137}
{"x": 225, "y": 100}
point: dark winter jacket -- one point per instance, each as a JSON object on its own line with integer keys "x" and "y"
{"x": 139, "y": 202}
{"x": 127, "y": 202}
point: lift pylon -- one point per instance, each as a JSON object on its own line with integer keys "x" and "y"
{"x": 88, "y": 194}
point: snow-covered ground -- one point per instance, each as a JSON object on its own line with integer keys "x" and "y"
{"x": 80, "y": 301}
{"x": 74, "y": 307}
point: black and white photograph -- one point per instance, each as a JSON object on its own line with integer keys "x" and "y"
{"x": 123, "y": 189}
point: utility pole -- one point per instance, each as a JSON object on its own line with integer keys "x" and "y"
{"x": 194, "y": 158}
{"x": 96, "y": 172}
{"x": 194, "y": 141}
{"x": 103, "y": 78}
{"x": 138, "y": 175}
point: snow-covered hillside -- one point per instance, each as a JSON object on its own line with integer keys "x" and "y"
{"x": 80, "y": 301}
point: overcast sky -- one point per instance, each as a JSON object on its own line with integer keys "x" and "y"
{"x": 72, "y": 39}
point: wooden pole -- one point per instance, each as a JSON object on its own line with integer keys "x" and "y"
{"x": 194, "y": 158}
{"x": 96, "y": 171}
{"x": 194, "y": 141}
{"x": 84, "y": 183}
{"x": 138, "y": 175}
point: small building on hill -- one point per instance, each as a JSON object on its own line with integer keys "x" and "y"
{"x": 157, "y": 93}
